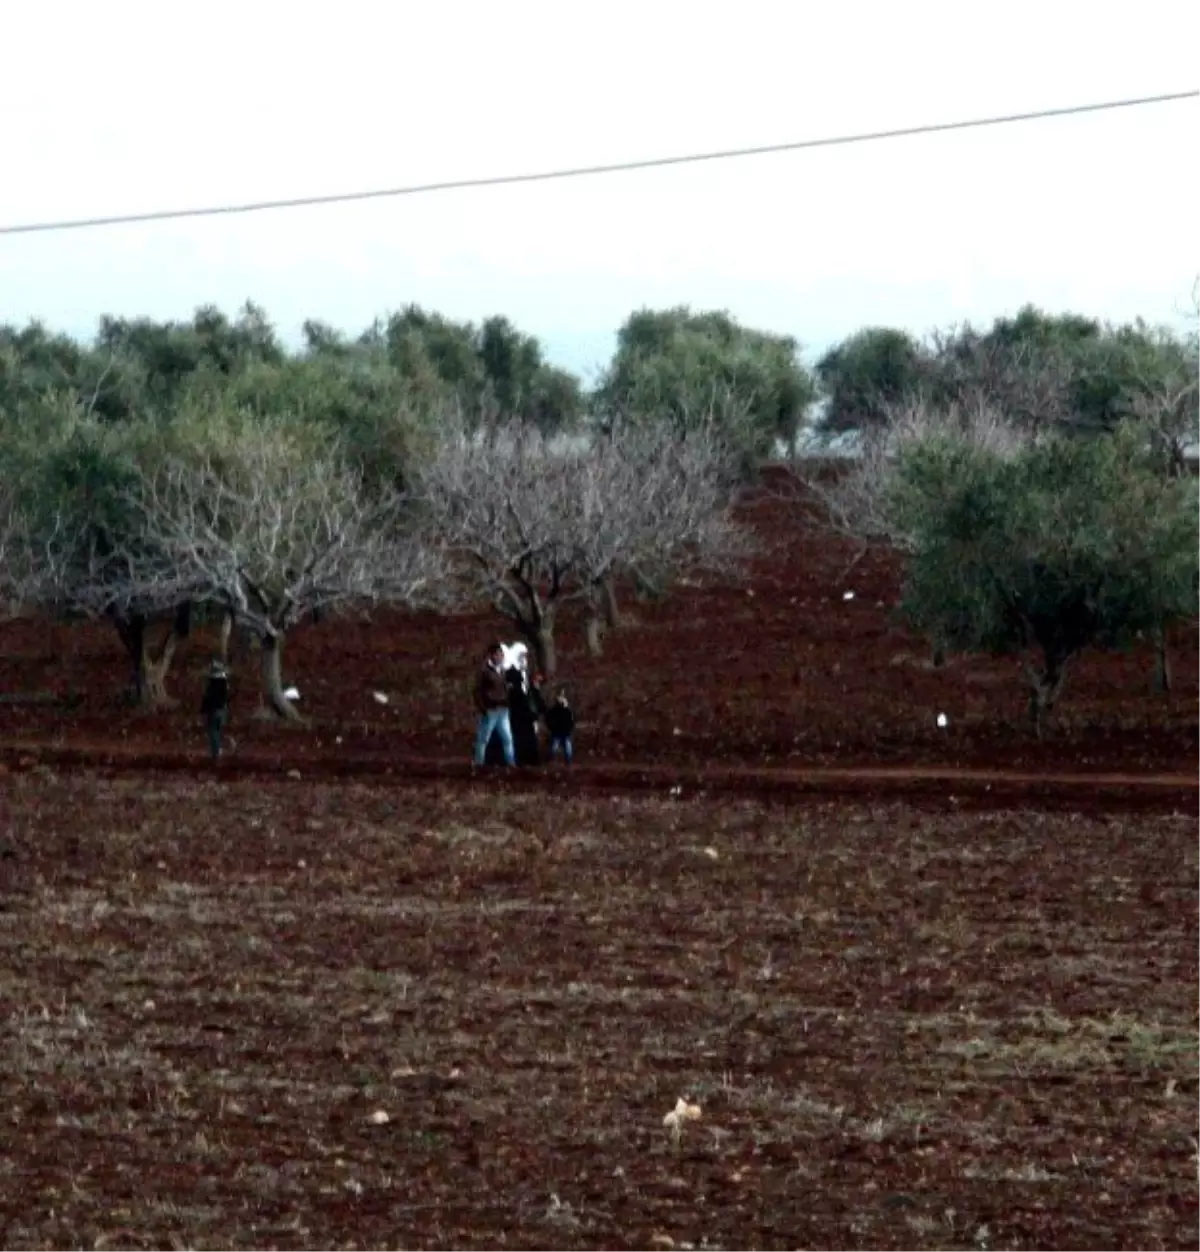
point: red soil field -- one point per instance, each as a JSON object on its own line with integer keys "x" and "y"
{"x": 781, "y": 673}
{"x": 257, "y": 1013}
{"x": 929, "y": 988}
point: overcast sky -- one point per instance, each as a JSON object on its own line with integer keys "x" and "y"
{"x": 124, "y": 106}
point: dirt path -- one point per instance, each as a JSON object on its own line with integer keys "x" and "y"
{"x": 942, "y": 785}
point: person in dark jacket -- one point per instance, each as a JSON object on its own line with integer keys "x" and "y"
{"x": 214, "y": 708}
{"x": 525, "y": 705}
{"x": 491, "y": 702}
{"x": 560, "y": 723}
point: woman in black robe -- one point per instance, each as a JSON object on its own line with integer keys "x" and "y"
{"x": 525, "y": 706}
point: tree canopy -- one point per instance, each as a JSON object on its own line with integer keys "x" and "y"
{"x": 1043, "y": 549}
{"x": 1039, "y": 370}
{"x": 866, "y": 374}
{"x": 689, "y": 369}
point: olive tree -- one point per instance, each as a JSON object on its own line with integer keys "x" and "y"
{"x": 1061, "y": 545}
{"x": 84, "y": 482}
{"x": 1164, "y": 401}
{"x": 531, "y": 525}
{"x": 675, "y": 366}
{"x": 851, "y": 499}
{"x": 272, "y": 527}
{"x": 866, "y": 374}
{"x": 64, "y": 469}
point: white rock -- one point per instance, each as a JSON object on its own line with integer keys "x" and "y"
{"x": 848, "y": 595}
{"x": 292, "y": 693}
{"x": 943, "y": 721}
{"x": 379, "y": 1118}
{"x": 380, "y": 697}
{"x": 682, "y": 1112}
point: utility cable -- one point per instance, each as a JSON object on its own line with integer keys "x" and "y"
{"x": 582, "y": 171}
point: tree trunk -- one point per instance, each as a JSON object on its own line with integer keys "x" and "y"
{"x": 645, "y": 588}
{"x": 154, "y": 669}
{"x": 224, "y": 635}
{"x": 539, "y": 634}
{"x": 544, "y": 649}
{"x": 272, "y": 679}
{"x": 151, "y": 665}
{"x": 1162, "y": 662}
{"x": 595, "y": 634}
{"x": 132, "y": 633}
{"x": 603, "y": 614}
{"x": 534, "y": 617}
{"x": 609, "y": 605}
{"x": 1044, "y": 687}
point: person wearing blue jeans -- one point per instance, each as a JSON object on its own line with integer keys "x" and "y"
{"x": 491, "y": 701}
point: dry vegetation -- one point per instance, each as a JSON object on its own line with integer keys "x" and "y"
{"x": 903, "y": 1029}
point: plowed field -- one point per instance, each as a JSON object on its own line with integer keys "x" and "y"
{"x": 928, "y": 987}
{"x": 902, "y": 1029}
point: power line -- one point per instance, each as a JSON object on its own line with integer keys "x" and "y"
{"x": 582, "y": 171}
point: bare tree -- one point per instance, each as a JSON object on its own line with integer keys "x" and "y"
{"x": 97, "y": 573}
{"x": 655, "y": 505}
{"x": 1032, "y": 388}
{"x": 532, "y": 526}
{"x": 271, "y": 536}
{"x": 852, "y": 503}
{"x": 1169, "y": 411}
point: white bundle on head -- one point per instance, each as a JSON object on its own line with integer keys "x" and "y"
{"x": 516, "y": 656}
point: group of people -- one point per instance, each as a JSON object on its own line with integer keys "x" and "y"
{"x": 510, "y": 704}
{"x": 508, "y": 698}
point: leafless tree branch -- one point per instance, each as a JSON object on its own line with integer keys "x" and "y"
{"x": 852, "y": 501}
{"x": 1029, "y": 387}
{"x": 1168, "y": 407}
{"x": 532, "y": 525}
{"x": 272, "y": 538}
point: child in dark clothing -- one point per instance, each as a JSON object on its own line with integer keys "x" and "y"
{"x": 215, "y": 707}
{"x": 560, "y": 722}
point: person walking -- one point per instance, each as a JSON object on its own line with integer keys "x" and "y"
{"x": 491, "y": 701}
{"x": 214, "y": 707}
